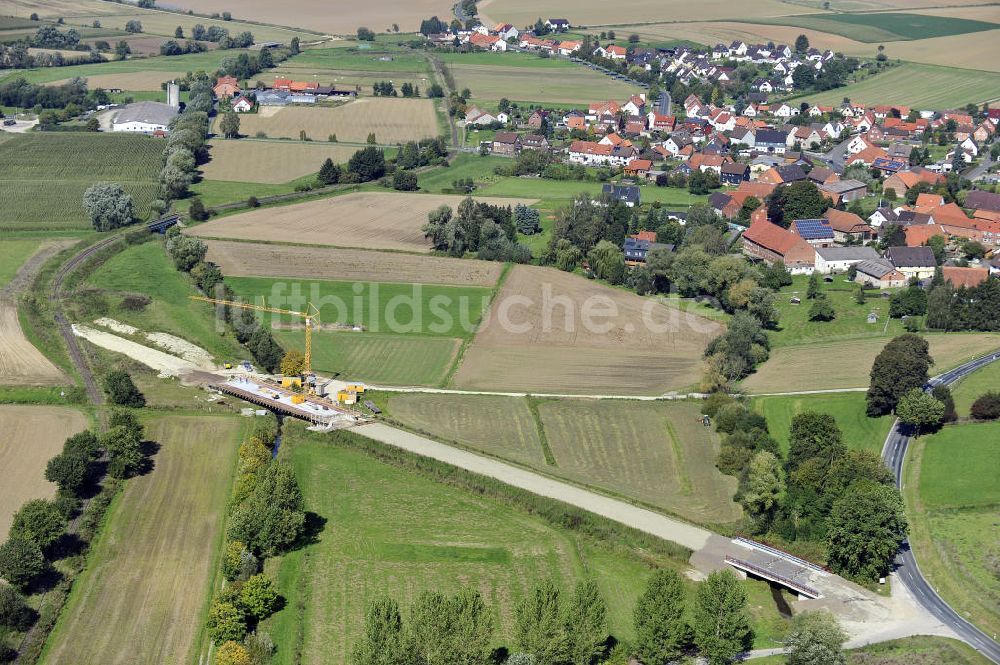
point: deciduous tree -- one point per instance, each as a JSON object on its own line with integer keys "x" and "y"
{"x": 21, "y": 562}
{"x": 108, "y": 205}
{"x": 816, "y": 639}
{"x": 865, "y": 529}
{"x": 384, "y": 641}
{"x": 920, "y": 410}
{"x": 539, "y": 628}
{"x": 586, "y": 623}
{"x": 722, "y": 628}
{"x": 258, "y": 597}
{"x": 661, "y": 634}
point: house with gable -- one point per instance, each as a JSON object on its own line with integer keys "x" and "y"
{"x": 769, "y": 242}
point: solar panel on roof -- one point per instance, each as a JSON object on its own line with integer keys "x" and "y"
{"x": 813, "y": 229}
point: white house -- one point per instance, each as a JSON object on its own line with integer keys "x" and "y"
{"x": 144, "y": 117}
{"x": 636, "y": 105}
{"x": 242, "y": 105}
{"x": 786, "y": 111}
{"x": 506, "y": 31}
{"x": 858, "y": 144}
{"x": 839, "y": 259}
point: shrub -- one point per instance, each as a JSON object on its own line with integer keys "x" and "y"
{"x": 226, "y": 622}
{"x": 987, "y": 406}
{"x": 21, "y": 561}
{"x": 121, "y": 390}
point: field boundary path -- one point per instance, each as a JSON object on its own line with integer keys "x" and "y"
{"x": 866, "y": 616}
{"x": 907, "y": 570}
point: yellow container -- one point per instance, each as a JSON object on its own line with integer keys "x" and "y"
{"x": 298, "y": 399}
{"x": 291, "y": 382}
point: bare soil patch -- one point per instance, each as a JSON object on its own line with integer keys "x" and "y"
{"x": 32, "y": 436}
{"x": 392, "y": 121}
{"x": 371, "y": 220}
{"x": 272, "y": 162}
{"x": 241, "y": 259}
{"x": 550, "y": 331}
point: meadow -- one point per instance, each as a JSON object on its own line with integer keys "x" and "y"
{"x": 952, "y": 497}
{"x": 389, "y": 307}
{"x": 270, "y": 162}
{"x": 367, "y": 220}
{"x": 971, "y": 387}
{"x": 848, "y": 409}
{"x": 43, "y": 176}
{"x": 32, "y": 436}
{"x": 837, "y": 365}
{"x": 373, "y": 60}
{"x": 919, "y": 85}
{"x": 243, "y": 259}
{"x": 916, "y": 650}
{"x": 13, "y": 253}
{"x": 559, "y": 82}
{"x": 148, "y": 270}
{"x": 656, "y": 453}
{"x": 373, "y": 544}
{"x": 144, "y": 593}
{"x": 881, "y": 27}
{"x": 851, "y": 322}
{"x": 391, "y": 120}
{"x": 553, "y": 332}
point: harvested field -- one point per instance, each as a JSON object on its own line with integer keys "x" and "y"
{"x": 974, "y": 53}
{"x": 657, "y": 452}
{"x": 392, "y": 120}
{"x": 376, "y": 14}
{"x": 371, "y": 220}
{"x": 270, "y": 162}
{"x": 923, "y": 86}
{"x": 240, "y": 259}
{"x": 21, "y": 363}
{"x": 711, "y": 32}
{"x": 553, "y": 332}
{"x": 142, "y": 596}
{"x": 837, "y": 365}
{"x": 501, "y": 426}
{"x": 32, "y": 436}
{"x": 596, "y": 12}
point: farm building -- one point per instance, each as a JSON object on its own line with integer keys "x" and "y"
{"x": 636, "y": 249}
{"x": 880, "y": 274}
{"x": 817, "y": 232}
{"x": 144, "y": 117}
{"x": 769, "y": 242}
{"x": 967, "y": 277}
{"x": 839, "y": 259}
{"x": 916, "y": 262}
{"x": 846, "y": 190}
{"x": 848, "y": 226}
{"x": 627, "y": 194}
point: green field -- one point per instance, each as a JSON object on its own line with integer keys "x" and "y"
{"x": 658, "y": 453}
{"x": 43, "y": 176}
{"x": 143, "y": 595}
{"x": 401, "y": 360}
{"x": 527, "y": 78}
{"x": 389, "y": 307}
{"x": 971, "y": 387}
{"x": 350, "y": 59}
{"x": 207, "y": 61}
{"x": 953, "y": 497}
{"x": 147, "y": 269}
{"x": 917, "y": 650}
{"x": 923, "y": 86}
{"x": 877, "y": 27}
{"x": 848, "y": 409}
{"x": 391, "y": 531}
{"x": 13, "y": 253}
{"x": 851, "y": 322}
{"x": 217, "y": 192}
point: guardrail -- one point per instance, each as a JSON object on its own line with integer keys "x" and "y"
{"x": 746, "y": 542}
{"x": 774, "y": 577}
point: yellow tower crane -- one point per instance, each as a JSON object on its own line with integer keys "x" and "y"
{"x": 310, "y": 315}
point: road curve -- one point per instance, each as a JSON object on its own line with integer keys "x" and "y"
{"x": 907, "y": 570}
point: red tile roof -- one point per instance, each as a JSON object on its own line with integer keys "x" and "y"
{"x": 965, "y": 276}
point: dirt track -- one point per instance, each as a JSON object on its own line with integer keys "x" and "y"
{"x": 32, "y": 436}
{"x": 20, "y": 362}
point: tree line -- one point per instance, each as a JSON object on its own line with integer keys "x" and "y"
{"x": 266, "y": 518}
{"x": 475, "y": 227}
{"x": 552, "y": 627}
{"x": 38, "y": 534}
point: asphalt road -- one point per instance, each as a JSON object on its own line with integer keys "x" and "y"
{"x": 907, "y": 570}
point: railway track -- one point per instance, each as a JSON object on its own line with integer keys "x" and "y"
{"x": 76, "y": 355}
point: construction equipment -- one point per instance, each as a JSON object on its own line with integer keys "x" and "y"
{"x": 310, "y": 315}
